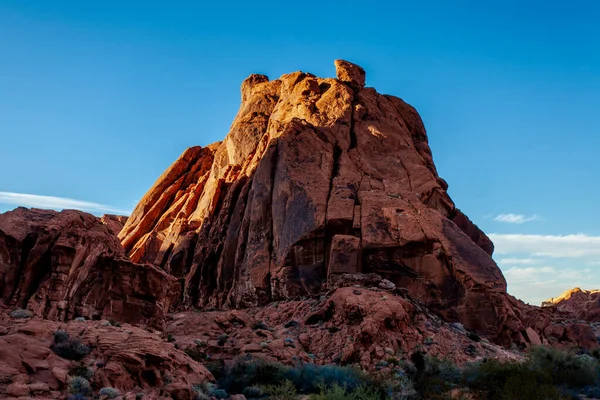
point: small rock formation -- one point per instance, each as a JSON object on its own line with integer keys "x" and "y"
{"x": 584, "y": 304}
{"x": 320, "y": 178}
{"x": 114, "y": 222}
{"x": 69, "y": 264}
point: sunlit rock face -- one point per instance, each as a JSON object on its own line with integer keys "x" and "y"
{"x": 317, "y": 177}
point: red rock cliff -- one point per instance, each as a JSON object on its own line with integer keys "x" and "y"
{"x": 316, "y": 178}
{"x": 69, "y": 264}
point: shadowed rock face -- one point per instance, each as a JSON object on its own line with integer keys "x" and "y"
{"x": 317, "y": 177}
{"x": 68, "y": 264}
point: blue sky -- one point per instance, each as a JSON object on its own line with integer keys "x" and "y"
{"x": 98, "y": 98}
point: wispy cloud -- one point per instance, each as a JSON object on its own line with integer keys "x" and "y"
{"x": 556, "y": 246}
{"x": 538, "y": 267}
{"x": 515, "y": 218}
{"x": 518, "y": 261}
{"x": 536, "y": 284}
{"x": 56, "y": 203}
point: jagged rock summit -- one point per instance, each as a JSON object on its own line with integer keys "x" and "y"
{"x": 317, "y": 177}
{"x": 585, "y": 304}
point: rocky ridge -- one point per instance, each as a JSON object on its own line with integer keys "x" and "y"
{"x": 585, "y": 304}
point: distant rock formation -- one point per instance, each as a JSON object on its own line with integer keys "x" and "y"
{"x": 69, "y": 264}
{"x": 585, "y": 304}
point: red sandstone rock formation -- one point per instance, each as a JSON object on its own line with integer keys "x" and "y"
{"x": 114, "y": 222}
{"x": 354, "y": 325}
{"x": 127, "y": 358}
{"x": 69, "y": 264}
{"x": 318, "y": 181}
{"x": 317, "y": 178}
{"x": 584, "y": 304}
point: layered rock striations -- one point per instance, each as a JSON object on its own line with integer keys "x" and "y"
{"x": 69, "y": 264}
{"x": 318, "y": 178}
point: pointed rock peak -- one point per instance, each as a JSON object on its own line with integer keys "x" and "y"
{"x": 351, "y": 74}
{"x": 250, "y": 82}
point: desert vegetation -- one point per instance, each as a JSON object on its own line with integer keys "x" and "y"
{"x": 544, "y": 374}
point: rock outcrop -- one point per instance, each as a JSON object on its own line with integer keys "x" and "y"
{"x": 318, "y": 178}
{"x": 584, "y": 304}
{"x": 126, "y": 358}
{"x": 69, "y": 264}
{"x": 353, "y": 325}
{"x": 114, "y": 222}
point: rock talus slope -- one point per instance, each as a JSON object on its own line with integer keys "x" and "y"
{"x": 319, "y": 178}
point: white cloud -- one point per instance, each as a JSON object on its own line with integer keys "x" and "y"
{"x": 518, "y": 261}
{"x": 515, "y": 218}
{"x": 555, "y": 246}
{"x": 538, "y": 267}
{"x": 56, "y": 203}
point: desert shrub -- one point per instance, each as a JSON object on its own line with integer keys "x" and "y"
{"x": 60, "y": 336}
{"x": 511, "y": 381}
{"x": 19, "y": 314}
{"x": 260, "y": 325}
{"x": 436, "y": 377}
{"x": 253, "y": 392}
{"x": 79, "y": 385}
{"x": 337, "y": 392}
{"x": 82, "y": 371}
{"x": 77, "y": 396}
{"x": 196, "y": 354}
{"x": 283, "y": 391}
{"x": 222, "y": 339}
{"x": 444, "y": 369}
{"x": 109, "y": 392}
{"x": 73, "y": 349}
{"x": 564, "y": 368}
{"x": 218, "y": 393}
{"x": 247, "y": 371}
{"x": 209, "y": 390}
{"x": 308, "y": 378}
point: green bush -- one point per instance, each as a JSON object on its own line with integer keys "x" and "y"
{"x": 20, "y": 314}
{"x": 253, "y": 392}
{"x": 309, "y": 377}
{"x": 247, "y": 371}
{"x": 81, "y": 370}
{"x": 79, "y": 385}
{"x": 337, "y": 392}
{"x": 283, "y": 391}
{"x": 109, "y": 392}
{"x": 564, "y": 368}
{"x": 69, "y": 348}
